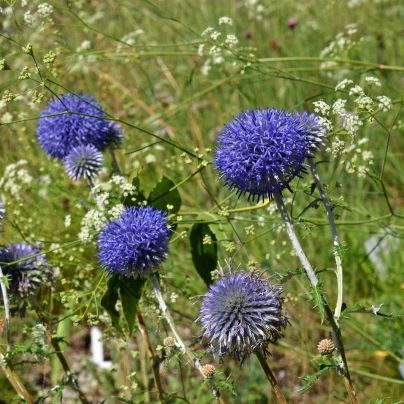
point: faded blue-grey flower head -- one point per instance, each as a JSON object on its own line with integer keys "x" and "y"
{"x": 242, "y": 313}
{"x": 2, "y": 211}
{"x": 260, "y": 152}
{"x": 27, "y": 269}
{"x": 73, "y": 120}
{"x": 83, "y": 161}
{"x": 136, "y": 243}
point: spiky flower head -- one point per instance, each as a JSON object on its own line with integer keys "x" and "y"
{"x": 80, "y": 120}
{"x": 26, "y": 268}
{"x": 242, "y": 313}
{"x": 261, "y": 151}
{"x": 83, "y": 161}
{"x": 326, "y": 346}
{"x": 136, "y": 243}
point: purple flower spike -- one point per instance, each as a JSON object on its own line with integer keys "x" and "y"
{"x": 242, "y": 313}
{"x": 261, "y": 151}
{"x": 136, "y": 243}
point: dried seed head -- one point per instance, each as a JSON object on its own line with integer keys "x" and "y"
{"x": 208, "y": 371}
{"x": 326, "y": 346}
{"x": 168, "y": 341}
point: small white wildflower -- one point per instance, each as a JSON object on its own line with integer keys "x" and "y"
{"x": 6, "y": 118}
{"x": 341, "y": 85}
{"x": 68, "y": 220}
{"x": 150, "y": 158}
{"x": 351, "y": 124}
{"x": 200, "y": 49}
{"x": 261, "y": 221}
{"x": 337, "y": 146}
{"x": 356, "y": 90}
{"x": 385, "y": 103}
{"x": 207, "y": 31}
{"x": 338, "y": 107}
{"x": 44, "y": 10}
{"x": 367, "y": 156}
{"x": 116, "y": 211}
{"x": 85, "y": 45}
{"x": 206, "y": 68}
{"x": 325, "y": 123}
{"x": 29, "y": 19}
{"x": 321, "y": 107}
{"x": 364, "y": 102}
{"x": 214, "y": 50}
{"x": 24, "y": 3}
{"x": 217, "y": 59}
{"x": 231, "y": 41}
{"x": 373, "y": 80}
{"x": 214, "y": 35}
{"x": 225, "y": 20}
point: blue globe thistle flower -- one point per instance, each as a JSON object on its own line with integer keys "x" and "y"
{"x": 28, "y": 273}
{"x": 83, "y": 161}
{"x": 242, "y": 313}
{"x": 136, "y": 243}
{"x": 59, "y": 134}
{"x": 261, "y": 151}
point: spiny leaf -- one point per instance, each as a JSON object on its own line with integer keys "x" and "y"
{"x": 372, "y": 310}
{"x": 317, "y": 296}
{"x": 311, "y": 379}
{"x": 204, "y": 256}
{"x": 109, "y": 300}
{"x": 131, "y": 291}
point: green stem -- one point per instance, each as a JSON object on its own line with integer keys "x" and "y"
{"x": 337, "y": 245}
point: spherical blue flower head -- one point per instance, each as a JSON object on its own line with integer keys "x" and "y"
{"x": 27, "y": 275}
{"x": 83, "y": 161}
{"x": 136, "y": 243}
{"x": 59, "y": 134}
{"x": 115, "y": 134}
{"x": 261, "y": 151}
{"x": 241, "y": 313}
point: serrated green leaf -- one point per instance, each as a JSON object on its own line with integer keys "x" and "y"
{"x": 372, "y": 310}
{"x": 317, "y": 294}
{"x": 163, "y": 194}
{"x": 109, "y": 300}
{"x": 131, "y": 291}
{"x": 204, "y": 256}
{"x": 311, "y": 379}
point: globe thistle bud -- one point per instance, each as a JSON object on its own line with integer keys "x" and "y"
{"x": 168, "y": 341}
{"x": 136, "y": 243}
{"x": 208, "y": 371}
{"x": 27, "y": 270}
{"x": 242, "y": 313}
{"x": 83, "y": 161}
{"x": 326, "y": 346}
{"x": 261, "y": 151}
{"x": 77, "y": 120}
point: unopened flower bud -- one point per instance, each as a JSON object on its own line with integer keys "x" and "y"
{"x": 208, "y": 371}
{"x": 326, "y": 346}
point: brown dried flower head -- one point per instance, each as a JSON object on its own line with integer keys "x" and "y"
{"x": 208, "y": 370}
{"x": 326, "y": 346}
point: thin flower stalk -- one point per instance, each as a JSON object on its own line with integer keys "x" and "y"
{"x": 181, "y": 345}
{"x": 336, "y": 243}
{"x": 6, "y": 309}
{"x": 336, "y": 332}
{"x": 153, "y": 362}
{"x": 280, "y": 398}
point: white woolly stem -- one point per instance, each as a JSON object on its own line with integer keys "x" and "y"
{"x": 337, "y": 245}
{"x": 165, "y": 313}
{"x": 6, "y": 309}
{"x": 336, "y": 332}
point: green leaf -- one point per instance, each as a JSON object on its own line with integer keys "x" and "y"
{"x": 311, "y": 379}
{"x": 131, "y": 292}
{"x": 163, "y": 195}
{"x": 372, "y": 310}
{"x": 204, "y": 256}
{"x": 317, "y": 296}
{"x": 109, "y": 300}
